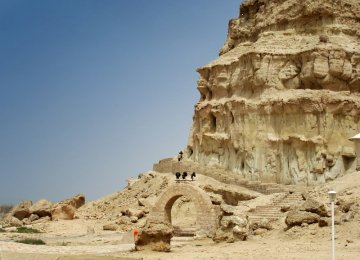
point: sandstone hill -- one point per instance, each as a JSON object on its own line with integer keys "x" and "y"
{"x": 281, "y": 101}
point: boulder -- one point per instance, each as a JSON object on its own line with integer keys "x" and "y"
{"x": 33, "y": 217}
{"x": 156, "y": 235}
{"x": 123, "y": 220}
{"x": 216, "y": 199}
{"x": 76, "y": 201}
{"x": 41, "y": 208}
{"x": 345, "y": 206}
{"x": 62, "y": 211}
{"x": 240, "y": 233}
{"x": 231, "y": 221}
{"x": 230, "y": 195}
{"x": 133, "y": 219}
{"x": 26, "y": 221}
{"x": 314, "y": 206}
{"x": 21, "y": 210}
{"x": 10, "y": 221}
{"x": 260, "y": 231}
{"x": 110, "y": 227}
{"x": 297, "y": 217}
{"x": 42, "y": 220}
{"x": 260, "y": 224}
{"x": 134, "y": 213}
{"x": 228, "y": 209}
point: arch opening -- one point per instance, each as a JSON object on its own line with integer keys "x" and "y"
{"x": 191, "y": 204}
{"x": 182, "y": 216}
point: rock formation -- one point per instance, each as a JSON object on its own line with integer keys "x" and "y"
{"x": 282, "y": 99}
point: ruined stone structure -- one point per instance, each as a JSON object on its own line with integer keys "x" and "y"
{"x": 206, "y": 216}
{"x": 282, "y": 99}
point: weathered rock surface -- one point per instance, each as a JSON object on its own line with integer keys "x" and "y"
{"x": 314, "y": 206}
{"x": 232, "y": 221}
{"x": 41, "y": 208}
{"x": 110, "y": 227}
{"x": 21, "y": 210}
{"x": 11, "y": 221}
{"x": 283, "y": 98}
{"x": 297, "y": 218}
{"x": 156, "y": 235}
{"x": 66, "y": 209}
{"x": 33, "y": 217}
{"x": 63, "y": 211}
{"x": 76, "y": 201}
{"x": 231, "y": 196}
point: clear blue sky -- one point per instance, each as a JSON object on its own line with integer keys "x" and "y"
{"x": 94, "y": 92}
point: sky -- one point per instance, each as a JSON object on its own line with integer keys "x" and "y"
{"x": 93, "y": 92}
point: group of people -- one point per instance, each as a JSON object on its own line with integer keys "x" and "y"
{"x": 184, "y": 175}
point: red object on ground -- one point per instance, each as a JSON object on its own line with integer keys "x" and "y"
{"x": 136, "y": 232}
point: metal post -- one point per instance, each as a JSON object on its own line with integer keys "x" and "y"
{"x": 333, "y": 230}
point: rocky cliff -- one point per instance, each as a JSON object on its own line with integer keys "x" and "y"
{"x": 283, "y": 97}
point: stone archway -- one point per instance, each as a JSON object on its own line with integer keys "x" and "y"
{"x": 206, "y": 217}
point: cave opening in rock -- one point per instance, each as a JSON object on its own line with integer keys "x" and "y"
{"x": 213, "y": 122}
{"x": 348, "y": 162}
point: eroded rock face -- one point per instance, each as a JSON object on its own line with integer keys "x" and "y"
{"x": 66, "y": 209}
{"x": 63, "y": 211}
{"x": 297, "y": 218}
{"x": 77, "y": 201}
{"x": 41, "y": 208}
{"x": 283, "y": 98}
{"x": 21, "y": 210}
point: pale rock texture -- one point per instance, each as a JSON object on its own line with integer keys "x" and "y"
{"x": 297, "y": 218}
{"x": 21, "y": 210}
{"x": 41, "y": 208}
{"x": 66, "y": 209}
{"x": 281, "y": 101}
{"x": 63, "y": 211}
{"x": 156, "y": 236}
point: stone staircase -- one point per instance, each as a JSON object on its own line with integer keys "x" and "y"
{"x": 171, "y": 165}
{"x": 184, "y": 231}
{"x": 273, "y": 212}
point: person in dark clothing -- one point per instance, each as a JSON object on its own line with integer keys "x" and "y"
{"x": 177, "y": 174}
{"x": 193, "y": 175}
{"x": 184, "y": 175}
{"x": 180, "y": 155}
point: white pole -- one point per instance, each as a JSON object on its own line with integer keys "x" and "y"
{"x": 333, "y": 230}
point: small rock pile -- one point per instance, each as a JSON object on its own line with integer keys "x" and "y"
{"x": 26, "y": 213}
{"x": 313, "y": 211}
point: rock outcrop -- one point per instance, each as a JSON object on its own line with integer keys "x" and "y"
{"x": 297, "y": 218}
{"x": 21, "y": 210}
{"x": 66, "y": 209}
{"x": 156, "y": 236}
{"x": 281, "y": 101}
{"x": 41, "y": 208}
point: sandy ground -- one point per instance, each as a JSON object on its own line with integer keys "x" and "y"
{"x": 299, "y": 243}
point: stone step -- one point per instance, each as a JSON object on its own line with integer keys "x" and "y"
{"x": 184, "y": 231}
{"x": 267, "y": 211}
{"x": 267, "y": 214}
{"x": 260, "y": 218}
